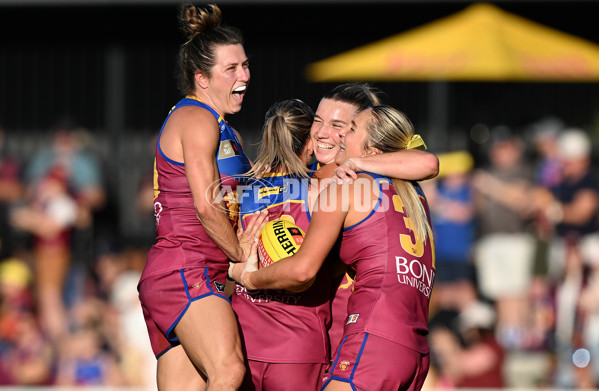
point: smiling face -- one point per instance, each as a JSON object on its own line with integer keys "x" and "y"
{"x": 330, "y": 119}
{"x": 226, "y": 87}
{"x": 354, "y": 138}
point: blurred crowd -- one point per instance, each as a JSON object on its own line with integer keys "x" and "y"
{"x": 516, "y": 296}
{"x": 516, "y": 299}
{"x": 69, "y": 311}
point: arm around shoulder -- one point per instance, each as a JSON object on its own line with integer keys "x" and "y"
{"x": 407, "y": 164}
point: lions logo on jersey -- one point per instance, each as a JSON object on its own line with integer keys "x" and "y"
{"x": 227, "y": 149}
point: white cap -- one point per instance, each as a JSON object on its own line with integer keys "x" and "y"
{"x": 574, "y": 144}
{"x": 477, "y": 315}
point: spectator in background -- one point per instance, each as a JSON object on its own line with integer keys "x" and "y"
{"x": 49, "y": 216}
{"x": 116, "y": 273}
{"x": 572, "y": 205}
{"x": 505, "y": 247}
{"x": 84, "y": 362}
{"x": 11, "y": 191}
{"x": 136, "y": 360}
{"x": 545, "y": 140}
{"x": 87, "y": 356}
{"x": 26, "y": 357}
{"x": 70, "y": 150}
{"x": 547, "y": 175}
{"x": 465, "y": 350}
{"x": 572, "y": 208}
{"x": 588, "y": 304}
{"x": 451, "y": 199}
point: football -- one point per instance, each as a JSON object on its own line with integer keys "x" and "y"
{"x": 278, "y": 239}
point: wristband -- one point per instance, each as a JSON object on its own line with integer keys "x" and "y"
{"x": 247, "y": 284}
{"x": 230, "y": 271}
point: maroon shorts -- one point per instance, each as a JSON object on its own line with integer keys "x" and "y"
{"x": 166, "y": 297}
{"x": 339, "y": 311}
{"x": 281, "y": 377}
{"x": 368, "y": 362}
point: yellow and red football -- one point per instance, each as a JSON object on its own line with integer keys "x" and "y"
{"x": 278, "y": 239}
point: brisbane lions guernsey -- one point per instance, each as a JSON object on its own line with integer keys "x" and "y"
{"x": 181, "y": 240}
{"x": 394, "y": 273}
{"x": 279, "y": 326}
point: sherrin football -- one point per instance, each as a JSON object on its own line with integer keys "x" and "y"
{"x": 278, "y": 239}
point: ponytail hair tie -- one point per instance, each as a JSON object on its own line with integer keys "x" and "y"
{"x": 416, "y": 142}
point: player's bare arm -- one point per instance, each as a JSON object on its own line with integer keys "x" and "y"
{"x": 199, "y": 141}
{"x": 298, "y": 271}
{"x": 408, "y": 164}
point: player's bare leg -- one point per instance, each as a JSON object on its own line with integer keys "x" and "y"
{"x": 209, "y": 335}
{"x": 335, "y": 385}
{"x": 175, "y": 371}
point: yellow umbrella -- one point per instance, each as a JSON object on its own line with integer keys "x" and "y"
{"x": 480, "y": 43}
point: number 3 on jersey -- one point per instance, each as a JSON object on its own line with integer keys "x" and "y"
{"x": 409, "y": 243}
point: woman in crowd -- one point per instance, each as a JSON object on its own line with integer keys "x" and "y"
{"x": 388, "y": 309}
{"x": 192, "y": 328}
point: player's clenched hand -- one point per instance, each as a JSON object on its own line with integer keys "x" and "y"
{"x": 248, "y": 236}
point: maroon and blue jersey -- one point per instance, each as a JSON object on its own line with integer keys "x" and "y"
{"x": 279, "y": 326}
{"x": 181, "y": 240}
{"x": 394, "y": 273}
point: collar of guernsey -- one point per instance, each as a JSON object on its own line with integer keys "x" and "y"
{"x": 230, "y": 157}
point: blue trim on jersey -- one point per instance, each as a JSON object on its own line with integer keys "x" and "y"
{"x": 164, "y": 351}
{"x": 334, "y": 365}
{"x": 313, "y": 167}
{"x": 296, "y": 189}
{"x": 353, "y": 372}
{"x": 169, "y": 333}
{"x": 350, "y": 381}
{"x": 377, "y": 178}
{"x": 166, "y": 157}
{"x": 225, "y": 130}
{"x": 160, "y": 135}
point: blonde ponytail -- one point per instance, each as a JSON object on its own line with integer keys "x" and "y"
{"x": 390, "y": 130}
{"x": 285, "y": 134}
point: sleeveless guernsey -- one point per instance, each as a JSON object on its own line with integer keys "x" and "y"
{"x": 181, "y": 240}
{"x": 394, "y": 273}
{"x": 280, "y": 326}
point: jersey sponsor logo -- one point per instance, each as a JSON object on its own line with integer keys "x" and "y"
{"x": 220, "y": 287}
{"x": 353, "y": 318}
{"x": 415, "y": 274}
{"x": 237, "y": 189}
{"x": 267, "y": 296}
{"x": 344, "y": 365}
{"x": 266, "y": 191}
{"x": 227, "y": 149}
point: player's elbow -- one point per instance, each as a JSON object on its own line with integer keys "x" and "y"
{"x": 204, "y": 210}
{"x": 431, "y": 165}
{"x": 304, "y": 275}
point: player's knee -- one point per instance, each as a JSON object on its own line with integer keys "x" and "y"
{"x": 229, "y": 374}
{"x": 237, "y": 372}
